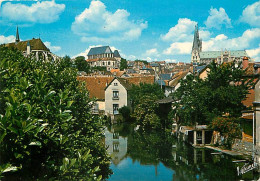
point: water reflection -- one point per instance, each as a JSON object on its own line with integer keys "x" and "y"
{"x": 116, "y": 146}
{"x": 140, "y": 155}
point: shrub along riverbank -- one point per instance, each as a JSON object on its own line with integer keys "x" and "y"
{"x": 46, "y": 128}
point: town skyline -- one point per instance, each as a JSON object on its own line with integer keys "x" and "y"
{"x": 151, "y": 30}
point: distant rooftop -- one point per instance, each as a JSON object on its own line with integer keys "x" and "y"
{"x": 215, "y": 54}
{"x": 35, "y": 44}
{"x": 165, "y": 76}
{"x": 99, "y": 50}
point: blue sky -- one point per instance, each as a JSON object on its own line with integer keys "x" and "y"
{"x": 153, "y": 30}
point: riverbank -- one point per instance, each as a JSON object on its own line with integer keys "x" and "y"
{"x": 229, "y": 152}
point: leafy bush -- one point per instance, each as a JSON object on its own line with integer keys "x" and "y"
{"x": 46, "y": 128}
{"x": 125, "y": 111}
{"x": 228, "y": 127}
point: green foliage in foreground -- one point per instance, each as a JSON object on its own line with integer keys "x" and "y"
{"x": 46, "y": 129}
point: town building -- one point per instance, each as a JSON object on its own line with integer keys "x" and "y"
{"x": 117, "y": 95}
{"x": 34, "y": 48}
{"x": 104, "y": 57}
{"x": 96, "y": 86}
{"x": 256, "y": 123}
{"x": 205, "y": 57}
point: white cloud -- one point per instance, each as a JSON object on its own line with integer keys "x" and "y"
{"x": 180, "y": 32}
{"x": 184, "y": 31}
{"x": 152, "y": 52}
{"x": 149, "y": 59}
{"x": 178, "y": 48}
{"x": 40, "y": 12}
{"x": 222, "y": 41}
{"x": 204, "y": 34}
{"x": 251, "y": 14}
{"x": 52, "y": 48}
{"x": 170, "y": 60}
{"x": 217, "y": 18}
{"x": 219, "y": 42}
{"x": 254, "y": 53}
{"x": 131, "y": 57}
{"x": 97, "y": 24}
{"x": 6, "y": 39}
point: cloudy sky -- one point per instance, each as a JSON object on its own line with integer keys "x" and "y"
{"x": 153, "y": 30}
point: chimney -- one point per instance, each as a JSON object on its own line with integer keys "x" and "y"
{"x": 245, "y": 62}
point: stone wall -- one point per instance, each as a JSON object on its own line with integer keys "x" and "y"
{"x": 242, "y": 147}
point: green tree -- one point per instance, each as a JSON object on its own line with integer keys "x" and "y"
{"x": 125, "y": 111}
{"x": 123, "y": 64}
{"x": 227, "y": 127}
{"x": 137, "y": 91}
{"x": 144, "y": 99}
{"x": 46, "y": 128}
{"x": 145, "y": 112}
{"x": 144, "y": 61}
{"x": 222, "y": 92}
{"x": 82, "y": 64}
{"x": 66, "y": 61}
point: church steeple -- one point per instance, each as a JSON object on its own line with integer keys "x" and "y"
{"x": 196, "y": 41}
{"x": 196, "y": 47}
{"x": 17, "y": 39}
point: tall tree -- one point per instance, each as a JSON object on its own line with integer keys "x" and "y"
{"x": 144, "y": 99}
{"x": 82, "y": 64}
{"x": 123, "y": 64}
{"x": 222, "y": 92}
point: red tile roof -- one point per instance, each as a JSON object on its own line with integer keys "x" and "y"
{"x": 96, "y": 84}
{"x": 250, "y": 97}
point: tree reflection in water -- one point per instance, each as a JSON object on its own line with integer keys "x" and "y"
{"x": 159, "y": 149}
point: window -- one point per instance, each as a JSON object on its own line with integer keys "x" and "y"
{"x": 115, "y": 94}
{"x": 115, "y": 109}
{"x": 115, "y": 84}
{"x": 115, "y": 135}
{"x": 108, "y": 63}
{"x": 115, "y": 146}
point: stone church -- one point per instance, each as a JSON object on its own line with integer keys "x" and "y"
{"x": 34, "y": 48}
{"x": 205, "y": 57}
{"x": 104, "y": 57}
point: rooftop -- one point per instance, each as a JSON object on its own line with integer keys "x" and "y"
{"x": 215, "y": 54}
{"x": 99, "y": 50}
{"x": 35, "y": 44}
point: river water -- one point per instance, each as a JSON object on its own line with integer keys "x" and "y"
{"x": 141, "y": 155}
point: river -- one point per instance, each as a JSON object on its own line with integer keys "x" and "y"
{"x": 158, "y": 156}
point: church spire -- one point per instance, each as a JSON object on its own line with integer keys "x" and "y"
{"x": 196, "y": 41}
{"x": 196, "y": 47}
{"x": 17, "y": 39}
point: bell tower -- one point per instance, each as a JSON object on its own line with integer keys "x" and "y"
{"x": 196, "y": 47}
